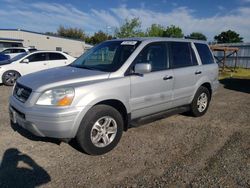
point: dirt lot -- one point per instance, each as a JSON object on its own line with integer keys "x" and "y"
{"x": 182, "y": 151}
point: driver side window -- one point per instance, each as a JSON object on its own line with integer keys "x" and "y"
{"x": 154, "y": 54}
{"x": 37, "y": 57}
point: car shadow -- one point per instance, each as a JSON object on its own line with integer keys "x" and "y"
{"x": 236, "y": 84}
{"x": 29, "y": 174}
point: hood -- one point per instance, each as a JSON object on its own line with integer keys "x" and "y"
{"x": 56, "y": 77}
{"x": 4, "y": 62}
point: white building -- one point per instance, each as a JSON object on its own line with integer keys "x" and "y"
{"x": 40, "y": 41}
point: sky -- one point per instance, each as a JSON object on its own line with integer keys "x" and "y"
{"x": 210, "y": 17}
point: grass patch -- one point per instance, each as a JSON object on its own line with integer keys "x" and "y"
{"x": 239, "y": 73}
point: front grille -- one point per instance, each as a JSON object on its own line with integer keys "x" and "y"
{"x": 21, "y": 92}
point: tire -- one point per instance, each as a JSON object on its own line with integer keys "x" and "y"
{"x": 9, "y": 77}
{"x": 200, "y": 102}
{"x": 92, "y": 137}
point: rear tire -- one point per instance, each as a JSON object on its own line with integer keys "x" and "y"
{"x": 9, "y": 77}
{"x": 200, "y": 102}
{"x": 100, "y": 130}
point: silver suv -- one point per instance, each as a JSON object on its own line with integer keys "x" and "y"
{"x": 116, "y": 84}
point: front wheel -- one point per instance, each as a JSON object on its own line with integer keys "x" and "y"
{"x": 200, "y": 102}
{"x": 100, "y": 130}
{"x": 9, "y": 77}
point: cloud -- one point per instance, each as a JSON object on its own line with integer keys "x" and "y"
{"x": 42, "y": 17}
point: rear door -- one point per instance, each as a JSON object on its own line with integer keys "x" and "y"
{"x": 186, "y": 72}
{"x": 152, "y": 92}
{"x": 209, "y": 67}
{"x": 56, "y": 60}
{"x": 37, "y": 62}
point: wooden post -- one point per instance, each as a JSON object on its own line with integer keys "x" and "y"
{"x": 236, "y": 59}
{"x": 224, "y": 61}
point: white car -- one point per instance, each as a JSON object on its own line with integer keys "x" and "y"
{"x": 14, "y": 51}
{"x": 11, "y": 70}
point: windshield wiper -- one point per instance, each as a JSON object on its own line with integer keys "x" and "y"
{"x": 83, "y": 67}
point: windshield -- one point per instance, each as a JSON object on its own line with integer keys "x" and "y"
{"x": 108, "y": 56}
{"x": 8, "y": 61}
{"x": 17, "y": 57}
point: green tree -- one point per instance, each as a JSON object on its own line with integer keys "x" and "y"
{"x": 228, "y": 37}
{"x": 131, "y": 28}
{"x": 98, "y": 37}
{"x": 173, "y": 31}
{"x": 197, "y": 36}
{"x": 74, "y": 33}
{"x": 155, "y": 30}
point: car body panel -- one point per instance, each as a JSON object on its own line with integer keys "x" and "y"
{"x": 141, "y": 95}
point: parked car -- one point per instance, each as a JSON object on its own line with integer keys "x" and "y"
{"x": 4, "y": 57}
{"x": 115, "y": 85}
{"x": 14, "y": 51}
{"x": 23, "y": 64}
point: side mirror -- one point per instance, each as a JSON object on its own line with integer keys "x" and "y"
{"x": 142, "y": 68}
{"x": 25, "y": 61}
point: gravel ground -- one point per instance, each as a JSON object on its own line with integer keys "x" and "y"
{"x": 179, "y": 151}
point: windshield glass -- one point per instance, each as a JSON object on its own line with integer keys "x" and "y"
{"x": 8, "y": 61}
{"x": 17, "y": 57}
{"x": 108, "y": 56}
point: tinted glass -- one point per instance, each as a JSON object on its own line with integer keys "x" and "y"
{"x": 18, "y": 50}
{"x": 6, "y": 51}
{"x": 32, "y": 50}
{"x": 37, "y": 57}
{"x": 205, "y": 53}
{"x": 108, "y": 56}
{"x": 56, "y": 56}
{"x": 154, "y": 54}
{"x": 181, "y": 54}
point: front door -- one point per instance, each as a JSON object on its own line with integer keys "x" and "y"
{"x": 152, "y": 92}
{"x": 37, "y": 62}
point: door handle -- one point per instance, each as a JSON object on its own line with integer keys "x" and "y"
{"x": 198, "y": 72}
{"x": 167, "y": 77}
{"x": 45, "y": 64}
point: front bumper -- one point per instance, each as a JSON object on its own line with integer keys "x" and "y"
{"x": 45, "y": 121}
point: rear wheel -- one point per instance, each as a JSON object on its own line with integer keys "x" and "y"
{"x": 200, "y": 102}
{"x": 9, "y": 77}
{"x": 100, "y": 130}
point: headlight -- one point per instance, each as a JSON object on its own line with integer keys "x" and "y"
{"x": 57, "y": 97}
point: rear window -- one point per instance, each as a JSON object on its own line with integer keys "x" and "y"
{"x": 56, "y": 56}
{"x": 205, "y": 53}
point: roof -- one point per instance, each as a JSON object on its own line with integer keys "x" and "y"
{"x": 157, "y": 39}
{"x": 40, "y": 34}
{"x": 11, "y": 40}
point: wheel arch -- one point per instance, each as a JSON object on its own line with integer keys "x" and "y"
{"x": 208, "y": 86}
{"x": 118, "y": 105}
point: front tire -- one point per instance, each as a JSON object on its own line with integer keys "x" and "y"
{"x": 200, "y": 102}
{"x": 9, "y": 77}
{"x": 100, "y": 130}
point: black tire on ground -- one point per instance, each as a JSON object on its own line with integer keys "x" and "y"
{"x": 9, "y": 77}
{"x": 85, "y": 130}
{"x": 202, "y": 91}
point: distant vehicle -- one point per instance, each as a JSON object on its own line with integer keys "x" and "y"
{"x": 4, "y": 57}
{"x": 22, "y": 64}
{"x": 115, "y": 85}
{"x": 14, "y": 51}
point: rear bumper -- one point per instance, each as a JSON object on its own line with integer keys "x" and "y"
{"x": 46, "y": 122}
